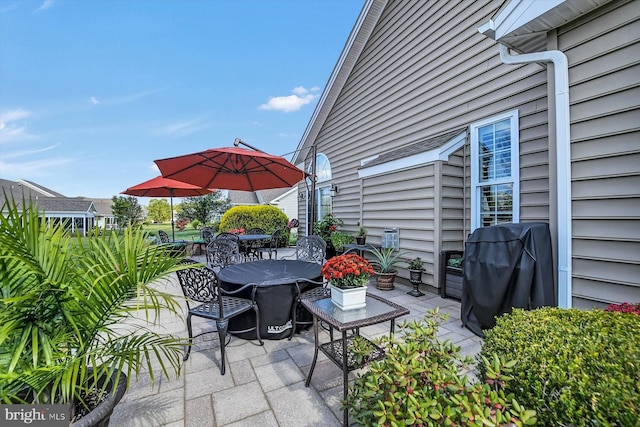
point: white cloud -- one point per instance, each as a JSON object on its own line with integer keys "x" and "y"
{"x": 14, "y": 154}
{"x": 34, "y": 168}
{"x": 13, "y": 115}
{"x": 299, "y": 90}
{"x": 184, "y": 128}
{"x": 153, "y": 167}
{"x": 287, "y": 104}
{"x": 11, "y": 131}
{"x": 94, "y": 101}
{"x": 46, "y": 4}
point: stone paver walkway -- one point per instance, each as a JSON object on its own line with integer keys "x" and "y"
{"x": 263, "y": 385}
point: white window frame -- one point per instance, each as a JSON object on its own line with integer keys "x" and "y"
{"x": 323, "y": 181}
{"x": 514, "y": 179}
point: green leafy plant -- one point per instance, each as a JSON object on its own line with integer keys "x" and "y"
{"x": 386, "y": 259}
{"x": 415, "y": 264}
{"x": 64, "y": 303}
{"x": 362, "y": 232}
{"x": 327, "y": 226}
{"x": 576, "y": 367}
{"x": 422, "y": 381}
{"x": 340, "y": 238}
{"x": 455, "y": 262}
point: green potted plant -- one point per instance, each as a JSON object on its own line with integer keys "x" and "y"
{"x": 422, "y": 380}
{"x": 348, "y": 276}
{"x": 325, "y": 228}
{"x": 339, "y": 239}
{"x": 415, "y": 267}
{"x": 361, "y": 237}
{"x": 63, "y": 311}
{"x": 385, "y": 264}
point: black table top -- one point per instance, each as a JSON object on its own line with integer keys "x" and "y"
{"x": 270, "y": 272}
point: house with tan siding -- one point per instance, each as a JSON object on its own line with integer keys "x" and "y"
{"x": 444, "y": 116}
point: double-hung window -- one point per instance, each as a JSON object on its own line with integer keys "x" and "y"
{"x": 495, "y": 166}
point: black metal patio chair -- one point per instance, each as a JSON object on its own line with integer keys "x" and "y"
{"x": 207, "y": 299}
{"x": 252, "y": 248}
{"x": 319, "y": 289}
{"x": 222, "y": 252}
{"x": 271, "y": 246}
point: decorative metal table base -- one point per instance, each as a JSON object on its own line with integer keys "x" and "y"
{"x": 415, "y": 292}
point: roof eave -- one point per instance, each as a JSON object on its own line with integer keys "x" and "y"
{"x": 354, "y": 46}
{"x": 523, "y": 24}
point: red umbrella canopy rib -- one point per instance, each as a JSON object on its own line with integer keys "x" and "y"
{"x": 164, "y": 187}
{"x": 231, "y": 168}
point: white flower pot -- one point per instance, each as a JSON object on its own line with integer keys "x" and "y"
{"x": 349, "y": 299}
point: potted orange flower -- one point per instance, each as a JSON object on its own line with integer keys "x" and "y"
{"x": 348, "y": 277}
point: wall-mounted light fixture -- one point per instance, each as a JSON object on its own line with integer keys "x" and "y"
{"x": 302, "y": 196}
{"x": 334, "y": 190}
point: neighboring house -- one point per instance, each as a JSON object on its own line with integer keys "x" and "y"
{"x": 424, "y": 127}
{"x": 77, "y": 214}
{"x": 104, "y": 215}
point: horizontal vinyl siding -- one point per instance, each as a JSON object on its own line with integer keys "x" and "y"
{"x": 604, "y": 57}
{"x": 452, "y": 226}
{"x": 425, "y": 71}
{"x": 404, "y": 200}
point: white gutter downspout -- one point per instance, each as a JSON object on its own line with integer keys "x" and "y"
{"x": 563, "y": 156}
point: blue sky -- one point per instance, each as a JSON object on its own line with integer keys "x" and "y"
{"x": 92, "y": 91}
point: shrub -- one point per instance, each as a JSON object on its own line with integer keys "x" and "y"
{"x": 578, "y": 368}
{"x": 269, "y": 218}
{"x": 196, "y": 225}
{"x": 340, "y": 238}
{"x": 422, "y": 381}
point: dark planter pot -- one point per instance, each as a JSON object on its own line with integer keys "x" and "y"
{"x": 361, "y": 240}
{"x": 331, "y": 252}
{"x": 101, "y": 414}
{"x": 385, "y": 281}
{"x": 415, "y": 277}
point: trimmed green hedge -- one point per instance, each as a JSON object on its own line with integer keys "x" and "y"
{"x": 574, "y": 367}
{"x": 267, "y": 217}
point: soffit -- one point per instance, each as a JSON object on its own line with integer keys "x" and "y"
{"x": 523, "y": 24}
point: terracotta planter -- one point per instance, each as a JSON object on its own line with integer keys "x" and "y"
{"x": 349, "y": 298}
{"x": 385, "y": 281}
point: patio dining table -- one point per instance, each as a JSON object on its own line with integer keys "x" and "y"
{"x": 275, "y": 295}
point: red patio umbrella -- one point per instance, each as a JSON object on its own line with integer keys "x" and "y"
{"x": 164, "y": 187}
{"x": 232, "y": 168}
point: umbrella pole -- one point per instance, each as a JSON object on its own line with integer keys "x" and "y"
{"x": 173, "y": 229}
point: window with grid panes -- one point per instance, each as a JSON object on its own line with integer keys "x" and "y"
{"x": 495, "y": 170}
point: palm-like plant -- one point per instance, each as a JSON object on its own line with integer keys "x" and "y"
{"x": 386, "y": 259}
{"x": 64, "y": 305}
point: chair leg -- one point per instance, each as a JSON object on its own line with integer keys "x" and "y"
{"x": 257, "y": 310}
{"x": 222, "y": 335}
{"x": 188, "y": 349}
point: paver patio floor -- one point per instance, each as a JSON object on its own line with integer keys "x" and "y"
{"x": 263, "y": 385}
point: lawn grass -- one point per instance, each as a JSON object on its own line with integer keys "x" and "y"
{"x": 188, "y": 233}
